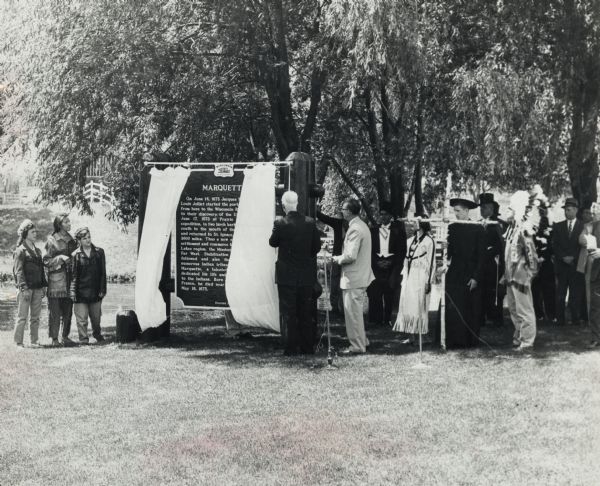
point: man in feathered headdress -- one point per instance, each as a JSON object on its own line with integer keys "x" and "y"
{"x": 521, "y": 265}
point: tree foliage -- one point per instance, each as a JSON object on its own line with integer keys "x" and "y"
{"x": 392, "y": 94}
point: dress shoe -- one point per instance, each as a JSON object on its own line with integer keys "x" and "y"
{"x": 67, "y": 340}
{"x": 525, "y": 347}
{"x": 55, "y": 343}
{"x": 100, "y": 339}
{"x": 351, "y": 351}
{"x": 35, "y": 345}
{"x": 594, "y": 344}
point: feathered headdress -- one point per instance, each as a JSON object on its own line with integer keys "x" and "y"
{"x": 526, "y": 210}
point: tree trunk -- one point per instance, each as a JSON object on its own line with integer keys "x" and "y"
{"x": 322, "y": 169}
{"x": 353, "y": 188}
{"x": 275, "y": 75}
{"x": 582, "y": 157}
{"x": 375, "y": 147}
{"x": 417, "y": 184}
{"x": 583, "y": 72}
{"x": 397, "y": 190}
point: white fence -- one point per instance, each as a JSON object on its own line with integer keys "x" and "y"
{"x": 100, "y": 193}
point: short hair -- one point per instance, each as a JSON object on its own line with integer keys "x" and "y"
{"x": 289, "y": 199}
{"x": 57, "y": 223}
{"x": 353, "y": 205}
{"x": 80, "y": 233}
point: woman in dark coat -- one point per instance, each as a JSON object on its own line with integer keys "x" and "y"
{"x": 466, "y": 252}
{"x": 88, "y": 285}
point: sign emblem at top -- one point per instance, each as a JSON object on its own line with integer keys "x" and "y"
{"x": 224, "y": 170}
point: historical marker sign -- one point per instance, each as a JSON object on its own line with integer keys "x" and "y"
{"x": 205, "y": 222}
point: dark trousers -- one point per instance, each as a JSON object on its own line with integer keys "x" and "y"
{"x": 381, "y": 301}
{"x": 337, "y": 303}
{"x": 568, "y": 278}
{"x": 491, "y": 306}
{"x": 60, "y": 309}
{"x": 296, "y": 318}
{"x": 543, "y": 289}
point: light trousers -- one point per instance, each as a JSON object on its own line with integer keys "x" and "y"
{"x": 522, "y": 314}
{"x": 82, "y": 311}
{"x": 29, "y": 304}
{"x": 353, "y": 315}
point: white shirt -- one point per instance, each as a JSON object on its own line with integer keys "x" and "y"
{"x": 384, "y": 241}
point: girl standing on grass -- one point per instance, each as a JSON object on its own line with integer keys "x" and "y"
{"x": 28, "y": 270}
{"x": 57, "y": 259}
{"x": 413, "y": 314}
{"x": 88, "y": 285}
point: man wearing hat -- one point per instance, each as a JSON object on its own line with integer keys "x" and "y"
{"x": 388, "y": 250}
{"x": 565, "y": 244}
{"x": 492, "y": 292}
{"x": 464, "y": 278}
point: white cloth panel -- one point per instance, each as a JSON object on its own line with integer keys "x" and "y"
{"x": 163, "y": 198}
{"x": 250, "y": 280}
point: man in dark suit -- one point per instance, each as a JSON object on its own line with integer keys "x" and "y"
{"x": 339, "y": 226}
{"x": 565, "y": 244}
{"x": 388, "y": 250}
{"x": 298, "y": 241}
{"x": 493, "y": 265}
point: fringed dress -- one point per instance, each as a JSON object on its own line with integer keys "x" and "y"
{"x": 414, "y": 298}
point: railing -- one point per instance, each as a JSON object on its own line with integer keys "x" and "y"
{"x": 12, "y": 198}
{"x": 100, "y": 193}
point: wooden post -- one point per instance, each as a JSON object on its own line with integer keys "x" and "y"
{"x": 166, "y": 285}
{"x": 444, "y": 258}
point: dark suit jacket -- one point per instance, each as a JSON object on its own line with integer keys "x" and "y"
{"x": 493, "y": 246}
{"x": 563, "y": 245}
{"x": 338, "y": 225}
{"x": 298, "y": 241}
{"x": 397, "y": 246}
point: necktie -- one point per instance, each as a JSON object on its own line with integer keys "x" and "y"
{"x": 570, "y": 226}
{"x": 384, "y": 232}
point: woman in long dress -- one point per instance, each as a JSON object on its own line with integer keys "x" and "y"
{"x": 416, "y": 284}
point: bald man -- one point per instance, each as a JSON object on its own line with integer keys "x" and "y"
{"x": 297, "y": 238}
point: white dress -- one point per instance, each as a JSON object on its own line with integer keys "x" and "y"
{"x": 414, "y": 301}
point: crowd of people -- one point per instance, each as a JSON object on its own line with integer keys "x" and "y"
{"x": 521, "y": 262}
{"x": 71, "y": 273}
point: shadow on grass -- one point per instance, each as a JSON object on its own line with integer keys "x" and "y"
{"x": 209, "y": 340}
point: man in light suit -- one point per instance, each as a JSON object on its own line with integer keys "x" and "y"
{"x": 298, "y": 241}
{"x": 355, "y": 261}
{"x": 565, "y": 243}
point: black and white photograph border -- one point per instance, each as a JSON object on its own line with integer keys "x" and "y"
{"x": 299, "y": 242}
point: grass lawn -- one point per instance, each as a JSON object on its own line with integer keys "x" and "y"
{"x": 208, "y": 408}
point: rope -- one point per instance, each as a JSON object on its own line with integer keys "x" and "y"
{"x": 467, "y": 326}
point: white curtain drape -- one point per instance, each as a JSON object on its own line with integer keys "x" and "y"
{"x": 250, "y": 280}
{"x": 163, "y": 198}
